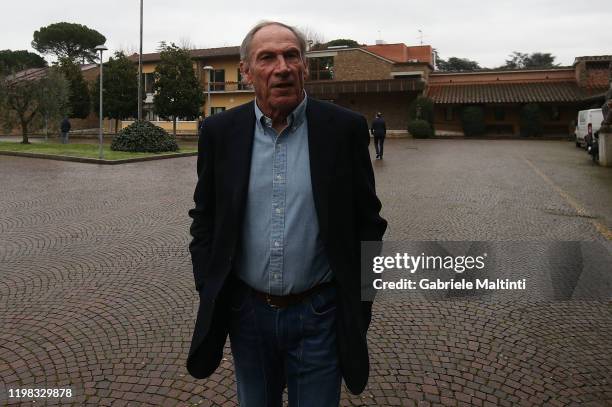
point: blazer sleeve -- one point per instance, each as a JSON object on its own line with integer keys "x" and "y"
{"x": 203, "y": 215}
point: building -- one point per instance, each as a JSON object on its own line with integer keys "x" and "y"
{"x": 376, "y": 78}
{"x": 226, "y": 89}
{"x": 388, "y": 77}
{"x": 559, "y": 92}
{"x": 384, "y": 77}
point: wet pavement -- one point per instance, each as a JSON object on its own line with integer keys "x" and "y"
{"x": 97, "y": 295}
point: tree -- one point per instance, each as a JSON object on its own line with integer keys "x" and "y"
{"x": 472, "y": 121}
{"x": 342, "y": 42}
{"x": 120, "y": 91}
{"x": 422, "y": 108}
{"x": 519, "y": 60}
{"x": 178, "y": 92}
{"x": 313, "y": 37}
{"x": 79, "y": 91}
{"x": 14, "y": 61}
{"x": 54, "y": 104}
{"x": 68, "y": 40}
{"x": 32, "y": 101}
{"x": 455, "y": 64}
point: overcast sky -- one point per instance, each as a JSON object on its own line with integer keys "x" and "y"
{"x": 484, "y": 31}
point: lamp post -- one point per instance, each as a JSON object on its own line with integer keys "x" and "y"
{"x": 101, "y": 48}
{"x": 209, "y": 69}
{"x": 140, "y": 69}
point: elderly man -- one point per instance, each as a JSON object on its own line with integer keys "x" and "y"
{"x": 285, "y": 195}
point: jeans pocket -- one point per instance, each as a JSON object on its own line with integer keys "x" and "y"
{"x": 323, "y": 303}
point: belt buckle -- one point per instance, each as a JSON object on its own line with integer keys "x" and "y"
{"x": 269, "y": 301}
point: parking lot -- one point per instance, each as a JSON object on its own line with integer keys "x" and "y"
{"x": 97, "y": 294}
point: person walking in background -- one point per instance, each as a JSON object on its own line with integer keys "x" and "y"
{"x": 65, "y": 129}
{"x": 379, "y": 130}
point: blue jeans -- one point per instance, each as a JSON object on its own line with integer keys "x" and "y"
{"x": 293, "y": 346}
{"x": 379, "y": 142}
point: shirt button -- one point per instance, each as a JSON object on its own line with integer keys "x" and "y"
{"x": 278, "y": 210}
{"x": 279, "y": 177}
{"x": 277, "y": 243}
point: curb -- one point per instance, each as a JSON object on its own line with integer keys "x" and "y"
{"x": 96, "y": 160}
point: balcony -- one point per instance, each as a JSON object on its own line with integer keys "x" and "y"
{"x": 227, "y": 87}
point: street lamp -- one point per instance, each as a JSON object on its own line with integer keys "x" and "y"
{"x": 140, "y": 69}
{"x": 101, "y": 48}
{"x": 209, "y": 69}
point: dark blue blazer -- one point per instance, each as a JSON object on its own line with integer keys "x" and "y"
{"x": 347, "y": 210}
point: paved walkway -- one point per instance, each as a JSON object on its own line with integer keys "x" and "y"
{"x": 96, "y": 289}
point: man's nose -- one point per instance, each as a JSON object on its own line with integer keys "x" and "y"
{"x": 281, "y": 64}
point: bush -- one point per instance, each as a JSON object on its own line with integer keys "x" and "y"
{"x": 531, "y": 120}
{"x": 420, "y": 129}
{"x": 426, "y": 110}
{"x": 472, "y": 121}
{"x": 143, "y": 136}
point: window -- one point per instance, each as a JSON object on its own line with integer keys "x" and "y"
{"x": 148, "y": 82}
{"x": 448, "y": 114}
{"x": 215, "y": 110}
{"x": 500, "y": 114}
{"x": 321, "y": 68}
{"x": 217, "y": 79}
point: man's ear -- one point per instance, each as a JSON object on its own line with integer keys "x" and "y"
{"x": 246, "y": 75}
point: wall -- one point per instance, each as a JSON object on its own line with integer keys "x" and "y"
{"x": 510, "y": 125}
{"x": 356, "y": 65}
{"x": 393, "y": 106}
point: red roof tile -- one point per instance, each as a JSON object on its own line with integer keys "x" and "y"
{"x": 508, "y": 93}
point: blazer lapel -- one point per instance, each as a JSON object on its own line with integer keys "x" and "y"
{"x": 321, "y": 150}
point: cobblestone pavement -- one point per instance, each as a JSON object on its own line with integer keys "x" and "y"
{"x": 96, "y": 289}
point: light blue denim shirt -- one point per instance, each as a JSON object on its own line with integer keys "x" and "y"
{"x": 281, "y": 251}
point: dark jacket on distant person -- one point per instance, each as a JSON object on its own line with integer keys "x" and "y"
{"x": 378, "y": 129}
{"x": 65, "y": 126}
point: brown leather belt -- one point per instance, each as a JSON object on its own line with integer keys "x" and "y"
{"x": 283, "y": 301}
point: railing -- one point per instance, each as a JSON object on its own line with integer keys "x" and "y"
{"x": 227, "y": 87}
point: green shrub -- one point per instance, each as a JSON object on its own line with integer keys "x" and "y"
{"x": 426, "y": 111}
{"x": 420, "y": 129}
{"x": 472, "y": 121}
{"x": 531, "y": 120}
{"x": 143, "y": 136}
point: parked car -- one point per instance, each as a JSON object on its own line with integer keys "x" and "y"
{"x": 589, "y": 122}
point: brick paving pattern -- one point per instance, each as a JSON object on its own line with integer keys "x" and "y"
{"x": 96, "y": 288}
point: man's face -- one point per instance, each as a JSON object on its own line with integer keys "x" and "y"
{"x": 277, "y": 70}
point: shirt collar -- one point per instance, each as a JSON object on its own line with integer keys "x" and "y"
{"x": 295, "y": 118}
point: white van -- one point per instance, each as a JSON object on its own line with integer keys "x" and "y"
{"x": 589, "y": 122}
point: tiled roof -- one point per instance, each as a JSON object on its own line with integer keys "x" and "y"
{"x": 509, "y": 93}
{"x": 593, "y": 58}
{"x": 28, "y": 74}
{"x": 402, "y": 53}
{"x": 195, "y": 53}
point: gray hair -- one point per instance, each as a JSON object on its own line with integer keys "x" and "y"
{"x": 245, "y": 47}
